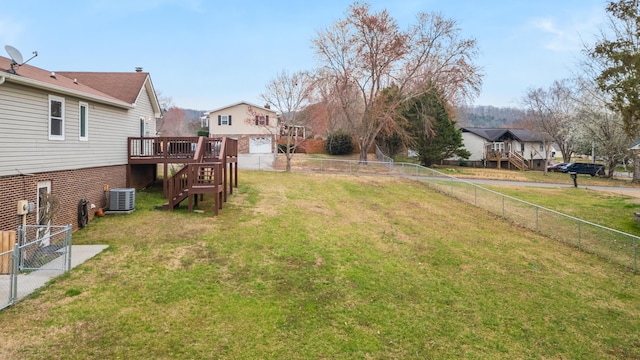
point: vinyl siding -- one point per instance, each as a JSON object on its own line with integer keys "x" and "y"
{"x": 25, "y": 146}
{"x": 532, "y": 151}
{"x": 243, "y": 123}
{"x": 475, "y": 145}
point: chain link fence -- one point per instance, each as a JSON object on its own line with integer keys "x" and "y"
{"x": 30, "y": 258}
{"x": 610, "y": 244}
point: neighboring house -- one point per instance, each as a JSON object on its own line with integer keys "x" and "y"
{"x": 504, "y": 148}
{"x": 255, "y": 127}
{"x": 65, "y": 133}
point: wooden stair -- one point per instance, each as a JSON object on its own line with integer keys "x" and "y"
{"x": 518, "y": 161}
{"x": 202, "y": 176}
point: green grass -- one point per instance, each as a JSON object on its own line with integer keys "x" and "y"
{"x": 300, "y": 266}
{"x": 614, "y": 211}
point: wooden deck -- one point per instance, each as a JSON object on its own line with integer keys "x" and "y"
{"x": 509, "y": 158}
{"x": 209, "y": 166}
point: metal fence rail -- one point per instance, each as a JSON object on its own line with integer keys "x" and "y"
{"x": 610, "y": 244}
{"x": 39, "y": 253}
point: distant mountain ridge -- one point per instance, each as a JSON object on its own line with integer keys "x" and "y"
{"x": 488, "y": 116}
{"x": 193, "y": 115}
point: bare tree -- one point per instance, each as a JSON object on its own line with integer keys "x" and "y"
{"x": 553, "y": 113}
{"x": 172, "y": 123}
{"x": 618, "y": 54}
{"x": 166, "y": 102}
{"x": 289, "y": 94}
{"x": 616, "y": 60}
{"x": 367, "y": 52}
{"x": 602, "y": 128}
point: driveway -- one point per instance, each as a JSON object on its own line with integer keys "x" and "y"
{"x": 255, "y": 161}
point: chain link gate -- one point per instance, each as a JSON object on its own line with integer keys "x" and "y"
{"x": 30, "y": 258}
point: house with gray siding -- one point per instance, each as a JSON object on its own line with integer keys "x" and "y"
{"x": 65, "y": 134}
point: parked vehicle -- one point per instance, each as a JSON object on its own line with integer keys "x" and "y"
{"x": 584, "y": 168}
{"x": 555, "y": 167}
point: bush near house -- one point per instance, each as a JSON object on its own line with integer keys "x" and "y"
{"x": 339, "y": 143}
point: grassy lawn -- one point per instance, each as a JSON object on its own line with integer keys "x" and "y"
{"x": 611, "y": 210}
{"x": 300, "y": 266}
{"x": 530, "y": 176}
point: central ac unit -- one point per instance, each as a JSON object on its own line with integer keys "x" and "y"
{"x": 123, "y": 199}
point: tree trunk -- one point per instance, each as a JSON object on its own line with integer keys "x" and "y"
{"x": 612, "y": 168}
{"x": 288, "y": 153}
{"x": 363, "y": 151}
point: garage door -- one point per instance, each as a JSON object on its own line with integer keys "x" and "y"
{"x": 260, "y": 145}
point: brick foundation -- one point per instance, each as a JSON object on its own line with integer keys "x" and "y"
{"x": 67, "y": 186}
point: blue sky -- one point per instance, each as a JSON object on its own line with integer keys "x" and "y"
{"x": 205, "y": 54}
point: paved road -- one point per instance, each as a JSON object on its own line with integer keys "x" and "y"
{"x": 628, "y": 191}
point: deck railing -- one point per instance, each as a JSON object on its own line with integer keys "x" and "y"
{"x": 209, "y": 165}
{"x": 171, "y": 149}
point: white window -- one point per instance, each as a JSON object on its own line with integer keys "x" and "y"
{"x": 497, "y": 146}
{"x": 56, "y": 118}
{"x": 224, "y": 119}
{"x": 83, "y": 126}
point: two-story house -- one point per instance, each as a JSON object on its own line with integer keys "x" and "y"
{"x": 65, "y": 134}
{"x": 255, "y": 127}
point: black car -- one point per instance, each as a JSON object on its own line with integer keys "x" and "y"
{"x": 584, "y": 168}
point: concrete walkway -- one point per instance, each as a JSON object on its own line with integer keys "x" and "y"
{"x": 28, "y": 283}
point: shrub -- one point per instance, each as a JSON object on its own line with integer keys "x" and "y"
{"x": 203, "y": 132}
{"x": 339, "y": 143}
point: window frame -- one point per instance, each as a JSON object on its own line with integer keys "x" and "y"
{"x": 224, "y": 120}
{"x": 262, "y": 120}
{"x": 86, "y": 121}
{"x": 59, "y": 99}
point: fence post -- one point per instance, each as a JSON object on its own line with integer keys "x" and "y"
{"x": 537, "y": 220}
{"x": 13, "y": 278}
{"x": 635, "y": 253}
{"x": 22, "y": 239}
{"x": 67, "y": 241}
{"x": 503, "y": 206}
{"x": 475, "y": 194}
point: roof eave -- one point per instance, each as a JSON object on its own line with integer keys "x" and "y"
{"x": 64, "y": 90}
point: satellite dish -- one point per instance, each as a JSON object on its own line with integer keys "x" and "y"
{"x": 16, "y": 57}
{"x": 14, "y": 54}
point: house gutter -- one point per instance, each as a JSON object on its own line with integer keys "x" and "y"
{"x": 65, "y": 91}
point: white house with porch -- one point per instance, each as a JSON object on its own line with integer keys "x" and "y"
{"x": 504, "y": 148}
